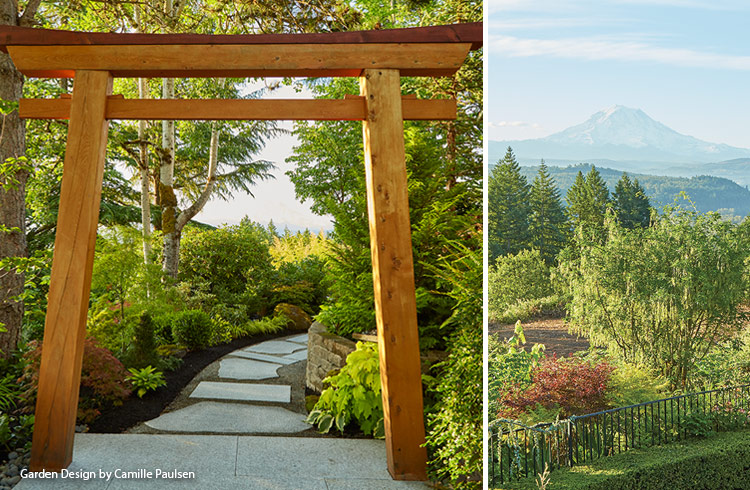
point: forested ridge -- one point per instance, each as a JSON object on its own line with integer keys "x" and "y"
{"x": 708, "y": 193}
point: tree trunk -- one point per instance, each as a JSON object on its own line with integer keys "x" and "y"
{"x": 12, "y": 207}
{"x": 166, "y": 191}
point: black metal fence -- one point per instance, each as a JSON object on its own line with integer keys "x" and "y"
{"x": 518, "y": 451}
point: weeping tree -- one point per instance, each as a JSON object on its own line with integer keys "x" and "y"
{"x": 660, "y": 296}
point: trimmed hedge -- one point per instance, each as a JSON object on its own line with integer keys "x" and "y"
{"x": 721, "y": 462}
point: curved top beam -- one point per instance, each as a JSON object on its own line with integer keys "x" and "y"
{"x": 455, "y": 33}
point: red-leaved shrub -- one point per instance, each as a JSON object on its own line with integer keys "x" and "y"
{"x": 575, "y": 386}
{"x": 102, "y": 379}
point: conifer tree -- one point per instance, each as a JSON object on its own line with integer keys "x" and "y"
{"x": 588, "y": 199}
{"x": 547, "y": 222}
{"x": 508, "y": 208}
{"x": 631, "y": 203}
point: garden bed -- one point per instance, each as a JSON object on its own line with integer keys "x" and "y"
{"x": 135, "y": 410}
{"x": 552, "y": 332}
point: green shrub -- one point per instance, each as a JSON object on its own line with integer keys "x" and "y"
{"x": 630, "y": 384}
{"x": 142, "y": 351}
{"x": 717, "y": 463}
{"x": 146, "y": 379}
{"x": 221, "y": 331}
{"x": 454, "y": 428}
{"x": 509, "y": 364}
{"x": 514, "y": 278}
{"x": 193, "y": 329}
{"x": 352, "y": 395}
{"x": 528, "y": 309}
{"x": 232, "y": 264}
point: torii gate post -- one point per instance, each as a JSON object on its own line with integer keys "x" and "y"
{"x": 379, "y": 58}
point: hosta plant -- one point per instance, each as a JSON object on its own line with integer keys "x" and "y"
{"x": 145, "y": 380}
{"x": 352, "y": 395}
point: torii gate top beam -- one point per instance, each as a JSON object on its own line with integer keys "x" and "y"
{"x": 420, "y": 51}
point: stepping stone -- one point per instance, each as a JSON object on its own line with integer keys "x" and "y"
{"x": 247, "y": 369}
{"x": 262, "y": 357}
{"x": 230, "y": 418}
{"x": 243, "y": 392}
{"x": 275, "y": 347}
{"x": 300, "y": 339}
{"x": 296, "y": 356}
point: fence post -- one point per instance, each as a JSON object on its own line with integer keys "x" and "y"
{"x": 570, "y": 443}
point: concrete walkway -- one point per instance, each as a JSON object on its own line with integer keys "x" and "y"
{"x": 231, "y": 409}
{"x": 242, "y": 402}
{"x": 223, "y": 462}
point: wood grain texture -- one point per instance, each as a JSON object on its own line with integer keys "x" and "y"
{"x": 469, "y": 32}
{"x": 70, "y": 281}
{"x": 393, "y": 275}
{"x": 352, "y": 109}
{"x": 233, "y": 60}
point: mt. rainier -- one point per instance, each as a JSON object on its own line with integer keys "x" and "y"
{"x": 620, "y": 133}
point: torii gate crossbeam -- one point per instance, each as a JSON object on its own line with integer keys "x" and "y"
{"x": 378, "y": 58}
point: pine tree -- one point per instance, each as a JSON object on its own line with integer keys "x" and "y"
{"x": 588, "y": 199}
{"x": 547, "y": 222}
{"x": 631, "y": 203}
{"x": 508, "y": 208}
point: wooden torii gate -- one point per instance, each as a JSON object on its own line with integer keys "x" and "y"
{"x": 378, "y": 58}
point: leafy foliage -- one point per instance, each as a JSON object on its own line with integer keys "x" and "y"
{"x": 192, "y": 328}
{"x": 574, "y": 385}
{"x": 352, "y": 395}
{"x": 102, "y": 379}
{"x": 455, "y": 423}
{"x": 510, "y": 365}
{"x": 231, "y": 264}
{"x": 145, "y": 379}
{"x": 515, "y": 278}
{"x": 660, "y": 296}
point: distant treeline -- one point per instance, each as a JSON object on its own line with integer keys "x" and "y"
{"x": 708, "y": 193}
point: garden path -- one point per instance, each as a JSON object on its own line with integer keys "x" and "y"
{"x": 231, "y": 427}
{"x": 239, "y": 399}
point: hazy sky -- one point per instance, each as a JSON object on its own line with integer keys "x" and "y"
{"x": 553, "y": 63}
{"x": 274, "y": 199}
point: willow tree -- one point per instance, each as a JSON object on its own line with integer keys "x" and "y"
{"x": 660, "y": 296}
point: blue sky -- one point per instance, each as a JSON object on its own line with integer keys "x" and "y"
{"x": 553, "y": 63}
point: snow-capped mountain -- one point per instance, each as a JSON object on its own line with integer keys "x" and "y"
{"x": 620, "y": 133}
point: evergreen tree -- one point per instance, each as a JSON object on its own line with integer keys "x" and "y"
{"x": 631, "y": 203}
{"x": 588, "y": 199}
{"x": 508, "y": 208}
{"x": 547, "y": 222}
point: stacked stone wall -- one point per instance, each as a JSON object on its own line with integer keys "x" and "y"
{"x": 325, "y": 352}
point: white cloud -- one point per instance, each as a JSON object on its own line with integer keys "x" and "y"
{"x": 604, "y": 48}
{"x": 514, "y": 124}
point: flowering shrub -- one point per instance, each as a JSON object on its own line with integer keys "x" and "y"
{"x": 575, "y": 386}
{"x": 102, "y": 379}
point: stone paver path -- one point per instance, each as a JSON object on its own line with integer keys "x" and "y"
{"x": 239, "y": 402}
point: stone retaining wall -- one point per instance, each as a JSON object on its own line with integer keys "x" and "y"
{"x": 325, "y": 352}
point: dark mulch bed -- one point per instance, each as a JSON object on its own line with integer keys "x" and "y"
{"x": 135, "y": 410}
{"x": 551, "y": 332}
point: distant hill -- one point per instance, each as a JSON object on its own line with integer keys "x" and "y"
{"x": 707, "y": 192}
{"x": 629, "y": 140}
